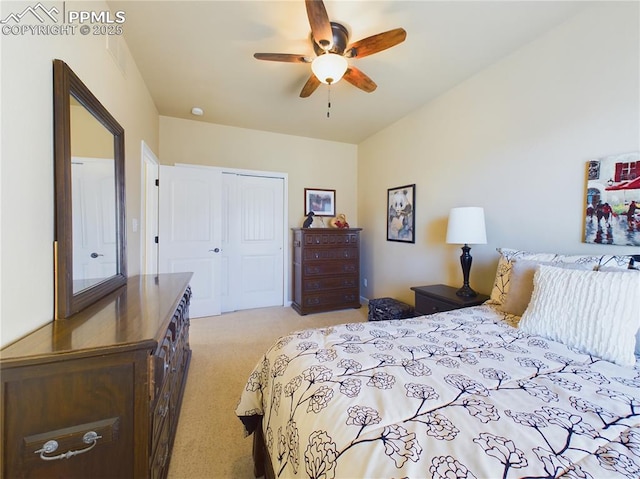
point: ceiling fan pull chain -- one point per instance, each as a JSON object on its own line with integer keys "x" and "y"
{"x": 329, "y": 100}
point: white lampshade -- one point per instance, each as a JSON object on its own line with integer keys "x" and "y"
{"x": 329, "y": 68}
{"x": 466, "y": 226}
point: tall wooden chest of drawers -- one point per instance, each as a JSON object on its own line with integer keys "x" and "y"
{"x": 98, "y": 394}
{"x": 326, "y": 269}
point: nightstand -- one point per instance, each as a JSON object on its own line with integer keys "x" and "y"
{"x": 440, "y": 297}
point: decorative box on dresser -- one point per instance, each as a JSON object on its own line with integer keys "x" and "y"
{"x": 98, "y": 394}
{"x": 326, "y": 269}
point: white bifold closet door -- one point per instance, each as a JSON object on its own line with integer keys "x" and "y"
{"x": 228, "y": 229}
{"x": 252, "y": 241}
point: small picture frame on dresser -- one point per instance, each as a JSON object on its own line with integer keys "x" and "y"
{"x": 319, "y": 202}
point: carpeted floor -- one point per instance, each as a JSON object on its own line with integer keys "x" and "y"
{"x": 210, "y": 441}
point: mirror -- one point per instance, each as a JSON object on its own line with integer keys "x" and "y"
{"x": 90, "y": 259}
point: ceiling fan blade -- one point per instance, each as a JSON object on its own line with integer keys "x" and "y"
{"x": 310, "y": 86}
{"x": 376, "y": 43}
{"x": 320, "y": 24}
{"x": 359, "y": 79}
{"x": 282, "y": 57}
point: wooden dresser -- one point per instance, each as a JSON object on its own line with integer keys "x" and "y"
{"x": 326, "y": 269}
{"x": 98, "y": 395}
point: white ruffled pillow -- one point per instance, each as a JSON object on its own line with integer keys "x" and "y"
{"x": 521, "y": 283}
{"x": 592, "y": 311}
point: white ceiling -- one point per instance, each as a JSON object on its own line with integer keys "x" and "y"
{"x": 200, "y": 53}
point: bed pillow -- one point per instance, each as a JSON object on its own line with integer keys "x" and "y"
{"x": 521, "y": 283}
{"x": 502, "y": 281}
{"x": 592, "y": 311}
{"x": 629, "y": 270}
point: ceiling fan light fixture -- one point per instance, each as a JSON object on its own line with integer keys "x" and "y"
{"x": 329, "y": 68}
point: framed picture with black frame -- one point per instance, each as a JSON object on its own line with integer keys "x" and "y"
{"x": 319, "y": 202}
{"x": 400, "y": 214}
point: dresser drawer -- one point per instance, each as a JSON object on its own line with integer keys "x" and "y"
{"x": 44, "y": 410}
{"x": 160, "y": 455}
{"x": 341, "y": 297}
{"x": 330, "y": 268}
{"x": 160, "y": 364}
{"x": 426, "y": 305}
{"x": 333, "y": 238}
{"x": 160, "y": 413}
{"x": 326, "y": 254}
{"x": 324, "y": 284}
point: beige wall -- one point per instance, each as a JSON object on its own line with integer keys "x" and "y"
{"x": 90, "y": 138}
{"x": 309, "y": 163}
{"x": 515, "y": 139}
{"x": 27, "y": 186}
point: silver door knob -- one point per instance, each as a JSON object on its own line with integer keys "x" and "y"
{"x": 215, "y": 250}
{"x": 95, "y": 255}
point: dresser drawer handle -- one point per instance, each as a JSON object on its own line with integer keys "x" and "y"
{"x": 90, "y": 437}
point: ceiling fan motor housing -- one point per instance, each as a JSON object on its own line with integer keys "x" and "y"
{"x": 340, "y": 40}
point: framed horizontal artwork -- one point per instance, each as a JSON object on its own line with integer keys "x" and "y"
{"x": 400, "y": 213}
{"x": 319, "y": 202}
{"x": 613, "y": 200}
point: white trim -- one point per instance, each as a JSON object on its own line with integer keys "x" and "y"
{"x": 147, "y": 237}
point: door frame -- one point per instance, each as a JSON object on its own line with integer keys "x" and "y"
{"x": 149, "y": 210}
{"x": 286, "y": 286}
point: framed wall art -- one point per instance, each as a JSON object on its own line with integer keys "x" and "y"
{"x": 613, "y": 200}
{"x": 400, "y": 213}
{"x": 319, "y": 202}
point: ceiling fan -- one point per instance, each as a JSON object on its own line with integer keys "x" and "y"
{"x": 331, "y": 44}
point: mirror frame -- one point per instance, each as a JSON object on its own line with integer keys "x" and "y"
{"x": 65, "y": 84}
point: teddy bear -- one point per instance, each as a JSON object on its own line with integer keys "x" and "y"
{"x": 339, "y": 221}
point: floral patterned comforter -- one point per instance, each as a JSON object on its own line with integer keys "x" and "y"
{"x": 460, "y": 394}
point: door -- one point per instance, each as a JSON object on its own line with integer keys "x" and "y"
{"x": 190, "y": 233}
{"x": 252, "y": 241}
{"x": 227, "y": 227}
{"x": 94, "y": 221}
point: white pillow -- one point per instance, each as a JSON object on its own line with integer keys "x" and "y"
{"x": 593, "y": 311}
{"x": 521, "y": 283}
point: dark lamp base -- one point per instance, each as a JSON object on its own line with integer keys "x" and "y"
{"x": 466, "y": 292}
{"x": 465, "y": 262}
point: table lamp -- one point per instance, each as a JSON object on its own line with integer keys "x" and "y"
{"x": 466, "y": 226}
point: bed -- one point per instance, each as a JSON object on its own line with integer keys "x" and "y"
{"x": 479, "y": 392}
